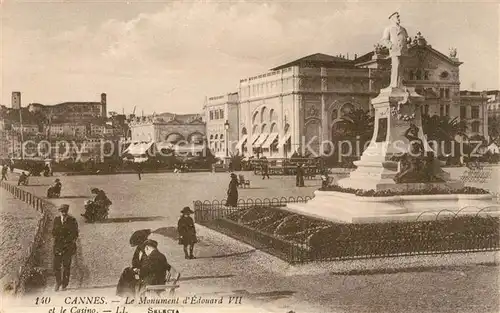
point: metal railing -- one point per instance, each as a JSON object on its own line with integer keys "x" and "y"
{"x": 42, "y": 206}
{"x": 295, "y": 238}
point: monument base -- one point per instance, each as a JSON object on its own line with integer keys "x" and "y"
{"x": 348, "y": 208}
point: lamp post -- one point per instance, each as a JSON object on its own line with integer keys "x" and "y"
{"x": 226, "y": 128}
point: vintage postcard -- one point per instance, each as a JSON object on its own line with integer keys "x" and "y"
{"x": 249, "y": 156}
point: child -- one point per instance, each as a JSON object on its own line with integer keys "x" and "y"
{"x": 187, "y": 232}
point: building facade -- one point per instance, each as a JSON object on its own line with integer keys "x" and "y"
{"x": 295, "y": 107}
{"x": 474, "y": 110}
{"x": 73, "y": 112}
{"x": 222, "y": 112}
{"x": 493, "y": 103}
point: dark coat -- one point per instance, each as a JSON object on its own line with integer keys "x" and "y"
{"x": 186, "y": 230}
{"x": 127, "y": 282}
{"x": 232, "y": 193}
{"x": 65, "y": 235}
{"x": 154, "y": 269}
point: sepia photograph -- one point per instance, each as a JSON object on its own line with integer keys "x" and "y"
{"x": 171, "y": 156}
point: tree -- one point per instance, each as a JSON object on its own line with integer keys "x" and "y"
{"x": 494, "y": 127}
{"x": 357, "y": 123}
{"x": 443, "y": 128}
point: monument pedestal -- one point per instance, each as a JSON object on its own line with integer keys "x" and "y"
{"x": 396, "y": 109}
{"x": 348, "y": 208}
{"x": 397, "y": 120}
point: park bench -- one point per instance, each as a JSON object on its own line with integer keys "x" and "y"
{"x": 242, "y": 182}
{"x": 171, "y": 284}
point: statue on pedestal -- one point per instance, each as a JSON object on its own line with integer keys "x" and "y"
{"x": 396, "y": 39}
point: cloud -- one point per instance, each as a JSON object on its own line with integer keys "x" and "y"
{"x": 204, "y": 48}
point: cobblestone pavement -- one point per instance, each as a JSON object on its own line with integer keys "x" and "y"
{"x": 225, "y": 266}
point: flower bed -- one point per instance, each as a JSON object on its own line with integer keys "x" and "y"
{"x": 388, "y": 193}
{"x": 298, "y": 238}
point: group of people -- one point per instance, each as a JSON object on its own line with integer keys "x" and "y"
{"x": 149, "y": 265}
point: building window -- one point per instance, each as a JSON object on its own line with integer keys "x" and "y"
{"x": 211, "y": 115}
{"x": 221, "y": 113}
{"x": 475, "y": 112}
{"x": 447, "y": 93}
{"x": 441, "y": 110}
{"x": 463, "y": 112}
{"x": 217, "y": 115}
{"x": 426, "y": 109}
{"x": 447, "y": 112}
{"x": 475, "y": 127}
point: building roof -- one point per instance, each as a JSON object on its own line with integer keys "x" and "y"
{"x": 182, "y": 118}
{"x": 318, "y": 60}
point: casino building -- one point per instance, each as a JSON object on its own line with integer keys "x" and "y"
{"x": 299, "y": 103}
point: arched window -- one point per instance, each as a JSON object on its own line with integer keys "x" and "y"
{"x": 264, "y": 128}
{"x": 221, "y": 137}
{"x": 263, "y": 114}
{"x": 274, "y": 128}
{"x": 255, "y": 129}
{"x": 254, "y": 118}
{"x": 287, "y": 127}
{"x": 216, "y": 136}
{"x": 244, "y": 131}
{"x": 347, "y": 108}
{"x": 272, "y": 116}
{"x": 335, "y": 114}
{"x": 211, "y": 137}
{"x": 174, "y": 138}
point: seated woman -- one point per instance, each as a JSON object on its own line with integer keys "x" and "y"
{"x": 129, "y": 278}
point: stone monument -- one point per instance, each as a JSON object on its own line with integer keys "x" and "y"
{"x": 397, "y": 160}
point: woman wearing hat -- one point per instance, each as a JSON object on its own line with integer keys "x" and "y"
{"x": 232, "y": 191}
{"x": 187, "y": 232}
{"x": 54, "y": 191}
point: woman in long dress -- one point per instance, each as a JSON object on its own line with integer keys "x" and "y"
{"x": 232, "y": 192}
{"x": 129, "y": 277}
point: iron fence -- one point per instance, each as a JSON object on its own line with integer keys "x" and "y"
{"x": 264, "y": 224}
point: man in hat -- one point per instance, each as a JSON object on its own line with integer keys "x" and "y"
{"x": 154, "y": 268}
{"x": 396, "y": 39}
{"x": 65, "y": 233}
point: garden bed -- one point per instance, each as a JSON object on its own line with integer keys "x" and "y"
{"x": 298, "y": 238}
{"x": 387, "y": 193}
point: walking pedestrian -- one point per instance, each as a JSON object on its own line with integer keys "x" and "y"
{"x": 232, "y": 192}
{"x": 65, "y": 233}
{"x": 139, "y": 170}
{"x": 187, "y": 232}
{"x": 4, "y": 172}
{"x": 299, "y": 176}
{"x": 265, "y": 169}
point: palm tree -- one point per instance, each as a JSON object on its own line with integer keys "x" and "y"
{"x": 443, "y": 130}
{"x": 357, "y": 123}
{"x": 494, "y": 127}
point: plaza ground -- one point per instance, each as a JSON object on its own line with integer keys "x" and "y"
{"x": 224, "y": 266}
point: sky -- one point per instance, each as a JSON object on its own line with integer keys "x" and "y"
{"x": 168, "y": 56}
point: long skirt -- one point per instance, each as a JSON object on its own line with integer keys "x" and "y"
{"x": 127, "y": 283}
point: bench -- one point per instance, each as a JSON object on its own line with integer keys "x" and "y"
{"x": 171, "y": 284}
{"x": 242, "y": 182}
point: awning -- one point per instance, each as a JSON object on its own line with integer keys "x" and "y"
{"x": 138, "y": 148}
{"x": 254, "y": 138}
{"x": 270, "y": 139}
{"x": 240, "y": 143}
{"x": 284, "y": 139}
{"x": 260, "y": 140}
